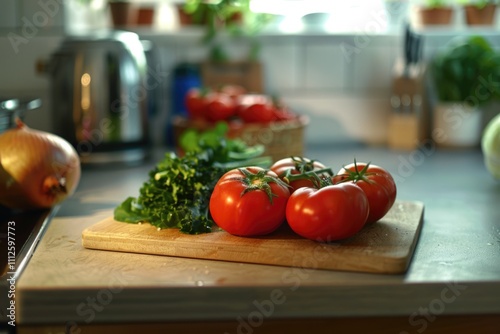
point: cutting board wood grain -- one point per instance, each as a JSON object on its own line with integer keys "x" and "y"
{"x": 384, "y": 247}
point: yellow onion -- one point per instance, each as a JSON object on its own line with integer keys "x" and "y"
{"x": 37, "y": 169}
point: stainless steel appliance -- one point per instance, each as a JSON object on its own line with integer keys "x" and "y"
{"x": 99, "y": 96}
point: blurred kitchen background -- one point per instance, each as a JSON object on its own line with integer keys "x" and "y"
{"x": 336, "y": 61}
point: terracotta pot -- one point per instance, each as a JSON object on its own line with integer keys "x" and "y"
{"x": 121, "y": 13}
{"x": 480, "y": 16}
{"x": 185, "y": 19}
{"x": 436, "y": 16}
{"x": 145, "y": 16}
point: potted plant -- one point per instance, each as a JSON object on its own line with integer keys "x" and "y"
{"x": 480, "y": 12}
{"x": 145, "y": 13}
{"x": 465, "y": 76}
{"x": 218, "y": 13}
{"x": 124, "y": 13}
{"x": 121, "y": 13}
{"x": 435, "y": 12}
{"x": 224, "y": 21}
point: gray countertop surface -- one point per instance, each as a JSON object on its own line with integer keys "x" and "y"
{"x": 455, "y": 267}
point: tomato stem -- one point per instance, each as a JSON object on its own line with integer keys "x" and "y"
{"x": 303, "y": 165}
{"x": 356, "y": 175}
{"x": 260, "y": 181}
{"x": 312, "y": 175}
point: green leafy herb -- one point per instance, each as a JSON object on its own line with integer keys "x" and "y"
{"x": 177, "y": 192}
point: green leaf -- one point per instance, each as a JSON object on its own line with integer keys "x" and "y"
{"x": 129, "y": 211}
{"x": 188, "y": 141}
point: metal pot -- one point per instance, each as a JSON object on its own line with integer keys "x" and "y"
{"x": 12, "y": 108}
{"x": 99, "y": 96}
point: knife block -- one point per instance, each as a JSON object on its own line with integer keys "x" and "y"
{"x": 406, "y": 130}
{"x": 403, "y": 132}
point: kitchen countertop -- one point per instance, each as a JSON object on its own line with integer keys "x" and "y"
{"x": 454, "y": 270}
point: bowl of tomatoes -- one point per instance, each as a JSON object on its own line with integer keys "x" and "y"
{"x": 257, "y": 119}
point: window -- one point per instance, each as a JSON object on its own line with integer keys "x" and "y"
{"x": 373, "y": 16}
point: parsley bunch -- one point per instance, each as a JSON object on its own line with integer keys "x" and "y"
{"x": 177, "y": 192}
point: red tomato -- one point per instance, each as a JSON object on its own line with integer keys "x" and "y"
{"x": 246, "y": 100}
{"x": 256, "y": 108}
{"x": 234, "y": 91}
{"x": 249, "y": 201}
{"x": 334, "y": 212}
{"x": 259, "y": 113}
{"x": 283, "y": 114}
{"x": 281, "y": 111}
{"x": 196, "y": 103}
{"x": 219, "y": 107}
{"x": 377, "y": 183}
{"x": 297, "y": 165}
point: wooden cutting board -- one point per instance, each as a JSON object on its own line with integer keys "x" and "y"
{"x": 384, "y": 247}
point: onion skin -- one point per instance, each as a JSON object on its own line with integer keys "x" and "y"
{"x": 37, "y": 169}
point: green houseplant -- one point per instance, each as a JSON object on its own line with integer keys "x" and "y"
{"x": 226, "y": 22}
{"x": 232, "y": 17}
{"x": 466, "y": 71}
{"x": 465, "y": 76}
